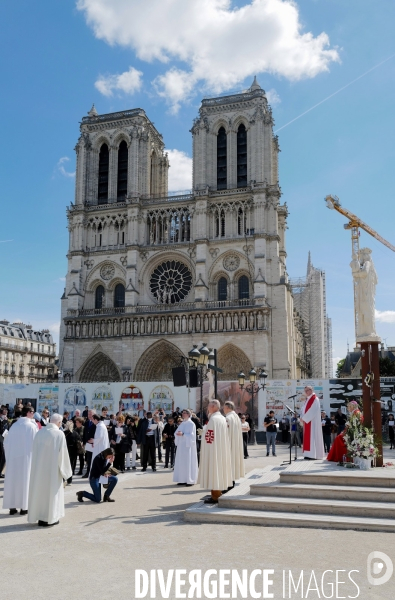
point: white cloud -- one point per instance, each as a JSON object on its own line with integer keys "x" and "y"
{"x": 61, "y": 162}
{"x": 385, "y": 316}
{"x": 175, "y": 85}
{"x": 180, "y": 172}
{"x": 220, "y": 46}
{"x": 128, "y": 82}
{"x": 5, "y": 241}
{"x": 273, "y": 98}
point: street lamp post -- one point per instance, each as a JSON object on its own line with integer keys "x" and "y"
{"x": 198, "y": 359}
{"x": 252, "y": 388}
{"x": 202, "y": 363}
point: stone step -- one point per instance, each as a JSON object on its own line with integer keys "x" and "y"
{"x": 328, "y": 492}
{"x": 203, "y": 513}
{"x": 379, "y": 479}
{"x": 315, "y": 506}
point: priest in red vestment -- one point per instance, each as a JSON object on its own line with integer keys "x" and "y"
{"x": 313, "y": 442}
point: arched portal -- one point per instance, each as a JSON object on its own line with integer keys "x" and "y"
{"x": 232, "y": 360}
{"x": 99, "y": 368}
{"x": 157, "y": 362}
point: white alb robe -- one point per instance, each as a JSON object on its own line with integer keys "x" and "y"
{"x": 313, "y": 443}
{"x": 18, "y": 446}
{"x": 50, "y": 465}
{"x": 186, "y": 463}
{"x": 236, "y": 445}
{"x": 215, "y": 470}
{"x": 100, "y": 441}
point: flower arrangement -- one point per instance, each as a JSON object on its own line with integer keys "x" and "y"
{"x": 359, "y": 439}
{"x": 360, "y": 442}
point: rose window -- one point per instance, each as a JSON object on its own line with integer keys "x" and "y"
{"x": 171, "y": 282}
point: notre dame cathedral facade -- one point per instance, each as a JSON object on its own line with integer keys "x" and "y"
{"x": 150, "y": 274}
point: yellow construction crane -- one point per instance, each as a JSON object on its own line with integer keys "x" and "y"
{"x": 354, "y": 223}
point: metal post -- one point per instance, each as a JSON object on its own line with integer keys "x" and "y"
{"x": 253, "y": 437}
{"x": 215, "y": 375}
{"x": 201, "y": 394}
{"x": 366, "y": 399}
{"x": 377, "y": 426}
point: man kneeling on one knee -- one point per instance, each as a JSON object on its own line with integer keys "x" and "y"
{"x": 98, "y": 474}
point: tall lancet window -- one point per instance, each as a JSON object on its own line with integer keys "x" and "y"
{"x": 119, "y": 296}
{"x": 244, "y": 288}
{"x": 241, "y": 156}
{"x": 99, "y": 297}
{"x": 221, "y": 160}
{"x": 122, "y": 187}
{"x": 222, "y": 289}
{"x": 104, "y": 161}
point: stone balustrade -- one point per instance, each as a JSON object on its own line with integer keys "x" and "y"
{"x": 215, "y": 321}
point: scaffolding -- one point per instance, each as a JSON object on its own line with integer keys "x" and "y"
{"x": 310, "y": 303}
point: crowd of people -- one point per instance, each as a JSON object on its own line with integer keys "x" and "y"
{"x": 325, "y": 434}
{"x": 288, "y": 429}
{"x": 41, "y": 453}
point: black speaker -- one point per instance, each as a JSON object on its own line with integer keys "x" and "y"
{"x": 193, "y": 378}
{"x": 179, "y": 377}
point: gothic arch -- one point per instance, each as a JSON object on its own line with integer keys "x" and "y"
{"x": 217, "y": 265}
{"x": 215, "y": 127}
{"x": 156, "y": 363}
{"x": 111, "y": 285}
{"x": 99, "y": 141}
{"x": 240, "y": 120}
{"x": 119, "y": 137}
{"x": 232, "y": 360}
{"x": 94, "y": 275}
{"x": 99, "y": 367}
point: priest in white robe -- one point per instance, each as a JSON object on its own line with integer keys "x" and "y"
{"x": 100, "y": 441}
{"x": 18, "y": 445}
{"x": 310, "y": 416}
{"x": 50, "y": 466}
{"x": 215, "y": 470}
{"x": 186, "y": 463}
{"x": 236, "y": 441}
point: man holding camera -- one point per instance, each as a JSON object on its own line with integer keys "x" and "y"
{"x": 270, "y": 426}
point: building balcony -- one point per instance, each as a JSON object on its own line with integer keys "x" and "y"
{"x": 105, "y": 248}
{"x": 186, "y": 318}
{"x": 160, "y": 308}
{"x": 12, "y": 346}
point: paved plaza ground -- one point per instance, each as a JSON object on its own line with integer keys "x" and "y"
{"x": 95, "y": 549}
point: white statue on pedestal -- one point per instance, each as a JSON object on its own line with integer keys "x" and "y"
{"x": 365, "y": 280}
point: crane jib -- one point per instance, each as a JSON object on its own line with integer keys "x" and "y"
{"x": 333, "y": 202}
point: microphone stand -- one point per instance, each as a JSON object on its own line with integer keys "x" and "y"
{"x": 293, "y": 412}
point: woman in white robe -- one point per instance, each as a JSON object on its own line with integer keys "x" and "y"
{"x": 100, "y": 441}
{"x": 50, "y": 466}
{"x": 18, "y": 445}
{"x": 186, "y": 463}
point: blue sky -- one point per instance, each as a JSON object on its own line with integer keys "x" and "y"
{"x": 57, "y": 58}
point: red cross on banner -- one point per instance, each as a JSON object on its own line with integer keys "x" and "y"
{"x": 209, "y": 436}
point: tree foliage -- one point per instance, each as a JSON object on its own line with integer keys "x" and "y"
{"x": 339, "y": 366}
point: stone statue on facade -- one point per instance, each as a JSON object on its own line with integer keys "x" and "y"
{"x": 365, "y": 281}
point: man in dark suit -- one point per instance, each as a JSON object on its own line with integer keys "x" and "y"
{"x": 146, "y": 437}
{"x": 85, "y": 412}
{"x": 89, "y": 434}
